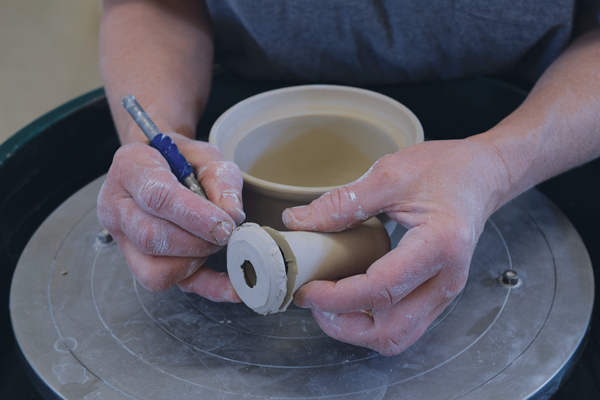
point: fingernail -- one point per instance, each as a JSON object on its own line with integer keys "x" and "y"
{"x": 233, "y": 296}
{"x": 232, "y": 201}
{"x": 194, "y": 266}
{"x": 301, "y": 213}
{"x": 221, "y": 231}
{"x": 300, "y": 301}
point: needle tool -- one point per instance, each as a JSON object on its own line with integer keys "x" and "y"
{"x": 182, "y": 169}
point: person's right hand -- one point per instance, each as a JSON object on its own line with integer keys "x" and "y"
{"x": 165, "y": 230}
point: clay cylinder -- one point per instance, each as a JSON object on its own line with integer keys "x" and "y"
{"x": 266, "y": 266}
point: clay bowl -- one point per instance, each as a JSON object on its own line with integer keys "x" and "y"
{"x": 296, "y": 143}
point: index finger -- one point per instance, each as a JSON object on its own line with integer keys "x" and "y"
{"x": 221, "y": 179}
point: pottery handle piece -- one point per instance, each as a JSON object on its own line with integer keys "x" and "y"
{"x": 326, "y": 256}
{"x": 266, "y": 266}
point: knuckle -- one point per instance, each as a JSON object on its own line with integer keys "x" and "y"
{"x": 106, "y": 210}
{"x": 207, "y": 150}
{"x": 106, "y": 217}
{"x": 457, "y": 242}
{"x": 151, "y": 240}
{"x": 335, "y": 203}
{"x": 453, "y": 288}
{"x": 152, "y": 281}
{"x": 205, "y": 147}
{"x": 386, "y": 346}
{"x": 381, "y": 297}
{"x": 334, "y": 200}
{"x": 223, "y": 171}
{"x": 154, "y": 196}
{"x": 121, "y": 154}
{"x": 125, "y": 154}
{"x": 211, "y": 149}
{"x": 384, "y": 165}
{"x": 104, "y": 213}
{"x": 464, "y": 234}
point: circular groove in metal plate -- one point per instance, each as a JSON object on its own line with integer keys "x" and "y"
{"x": 90, "y": 331}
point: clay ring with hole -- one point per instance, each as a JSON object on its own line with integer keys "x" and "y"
{"x": 257, "y": 269}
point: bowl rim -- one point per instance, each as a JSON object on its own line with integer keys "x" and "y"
{"x": 272, "y": 188}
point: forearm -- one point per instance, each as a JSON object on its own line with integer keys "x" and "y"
{"x": 556, "y": 128}
{"x": 161, "y": 52}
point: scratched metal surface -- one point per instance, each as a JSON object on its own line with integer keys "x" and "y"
{"x": 94, "y": 333}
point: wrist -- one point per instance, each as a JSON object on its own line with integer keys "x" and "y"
{"x": 509, "y": 163}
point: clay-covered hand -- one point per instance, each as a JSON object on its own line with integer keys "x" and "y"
{"x": 164, "y": 229}
{"x": 442, "y": 192}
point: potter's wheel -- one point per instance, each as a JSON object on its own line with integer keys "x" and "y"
{"x": 88, "y": 330}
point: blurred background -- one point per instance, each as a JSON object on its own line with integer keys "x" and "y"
{"x": 48, "y": 55}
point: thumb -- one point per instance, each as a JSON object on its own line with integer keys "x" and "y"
{"x": 341, "y": 208}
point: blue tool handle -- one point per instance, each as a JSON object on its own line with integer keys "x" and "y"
{"x": 179, "y": 165}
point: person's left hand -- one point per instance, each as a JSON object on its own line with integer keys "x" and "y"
{"x": 443, "y": 192}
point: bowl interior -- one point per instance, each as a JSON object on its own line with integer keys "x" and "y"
{"x": 313, "y": 150}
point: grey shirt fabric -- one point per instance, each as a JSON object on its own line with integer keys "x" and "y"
{"x": 388, "y": 41}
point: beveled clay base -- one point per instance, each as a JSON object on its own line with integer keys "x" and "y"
{"x": 266, "y": 266}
